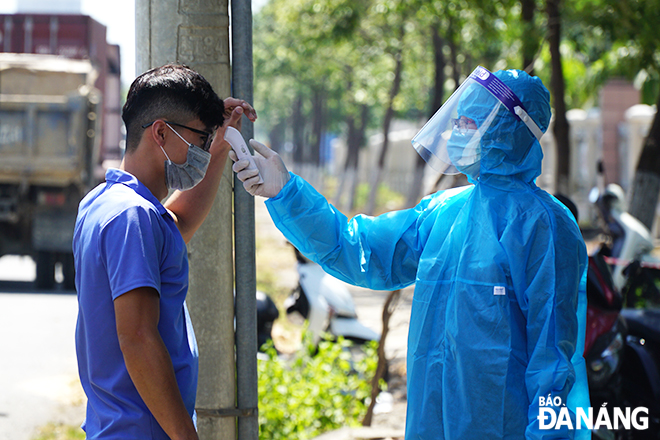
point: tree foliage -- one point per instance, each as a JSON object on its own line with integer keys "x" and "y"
{"x": 343, "y": 54}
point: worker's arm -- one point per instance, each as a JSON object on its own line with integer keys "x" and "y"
{"x": 148, "y": 361}
{"x": 550, "y": 303}
{"x": 380, "y": 253}
{"x": 190, "y": 208}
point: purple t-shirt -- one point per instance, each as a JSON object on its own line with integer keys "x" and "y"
{"x": 124, "y": 239}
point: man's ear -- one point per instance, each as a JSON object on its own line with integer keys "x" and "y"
{"x": 158, "y": 132}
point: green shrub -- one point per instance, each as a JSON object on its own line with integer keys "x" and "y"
{"x": 317, "y": 391}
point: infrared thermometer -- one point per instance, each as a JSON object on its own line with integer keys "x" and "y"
{"x": 235, "y": 139}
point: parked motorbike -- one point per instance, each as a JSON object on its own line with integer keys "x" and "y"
{"x": 605, "y": 342}
{"x": 267, "y": 313}
{"x": 629, "y": 247}
{"x": 622, "y": 351}
{"x": 641, "y": 366}
{"x": 326, "y": 304}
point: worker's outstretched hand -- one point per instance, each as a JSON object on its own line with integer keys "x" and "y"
{"x": 271, "y": 168}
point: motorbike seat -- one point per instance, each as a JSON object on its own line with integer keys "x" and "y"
{"x": 644, "y": 323}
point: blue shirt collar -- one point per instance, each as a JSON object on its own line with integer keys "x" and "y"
{"x": 114, "y": 175}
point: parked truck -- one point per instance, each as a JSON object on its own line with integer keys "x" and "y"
{"x": 60, "y": 128}
{"x": 78, "y": 37}
{"x": 49, "y": 144}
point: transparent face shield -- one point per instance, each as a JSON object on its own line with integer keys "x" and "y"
{"x": 450, "y": 142}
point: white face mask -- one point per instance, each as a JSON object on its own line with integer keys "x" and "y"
{"x": 187, "y": 175}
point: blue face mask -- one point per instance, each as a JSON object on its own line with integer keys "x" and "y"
{"x": 187, "y": 175}
{"x": 463, "y": 149}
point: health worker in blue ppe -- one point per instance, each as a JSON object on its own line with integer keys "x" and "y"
{"x": 499, "y": 309}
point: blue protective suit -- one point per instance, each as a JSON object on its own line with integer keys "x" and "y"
{"x": 499, "y": 308}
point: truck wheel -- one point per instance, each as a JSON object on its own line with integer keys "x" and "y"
{"x": 45, "y": 270}
{"x": 69, "y": 272}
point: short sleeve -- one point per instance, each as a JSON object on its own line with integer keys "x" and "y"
{"x": 131, "y": 244}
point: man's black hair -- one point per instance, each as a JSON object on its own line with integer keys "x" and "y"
{"x": 171, "y": 92}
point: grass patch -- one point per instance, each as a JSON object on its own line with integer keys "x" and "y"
{"x": 59, "y": 431}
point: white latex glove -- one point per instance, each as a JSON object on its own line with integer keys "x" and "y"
{"x": 271, "y": 167}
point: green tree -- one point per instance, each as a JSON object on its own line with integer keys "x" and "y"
{"x": 629, "y": 45}
{"x": 558, "y": 87}
{"x": 462, "y": 34}
{"x": 351, "y": 66}
{"x": 391, "y": 20}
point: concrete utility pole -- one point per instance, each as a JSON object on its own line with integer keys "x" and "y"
{"x": 196, "y": 33}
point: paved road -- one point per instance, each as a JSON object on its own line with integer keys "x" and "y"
{"x": 38, "y": 373}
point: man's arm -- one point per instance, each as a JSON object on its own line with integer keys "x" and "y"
{"x": 190, "y": 208}
{"x": 149, "y": 363}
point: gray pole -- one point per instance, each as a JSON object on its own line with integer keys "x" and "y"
{"x": 246, "y": 284}
{"x": 196, "y": 33}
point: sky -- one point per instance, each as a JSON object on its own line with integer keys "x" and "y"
{"x": 119, "y": 18}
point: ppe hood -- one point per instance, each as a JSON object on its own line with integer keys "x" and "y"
{"x": 475, "y": 117}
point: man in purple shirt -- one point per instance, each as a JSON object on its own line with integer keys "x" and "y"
{"x": 137, "y": 354}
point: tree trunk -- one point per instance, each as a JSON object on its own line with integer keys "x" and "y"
{"x": 361, "y": 141}
{"x": 387, "y": 122}
{"x": 453, "y": 55}
{"x": 557, "y": 84}
{"x": 277, "y": 136}
{"x": 350, "y": 140}
{"x": 436, "y": 102}
{"x": 318, "y": 119}
{"x": 298, "y": 128}
{"x": 353, "y": 181}
{"x": 529, "y": 41}
{"x": 355, "y": 140}
{"x": 350, "y": 122}
{"x": 417, "y": 184}
{"x": 351, "y": 162}
{"x": 381, "y": 368}
{"x": 439, "y": 67}
{"x": 646, "y": 184}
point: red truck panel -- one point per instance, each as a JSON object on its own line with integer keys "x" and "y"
{"x": 72, "y": 36}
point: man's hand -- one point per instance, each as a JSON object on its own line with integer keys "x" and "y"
{"x": 271, "y": 168}
{"x": 234, "y": 110}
